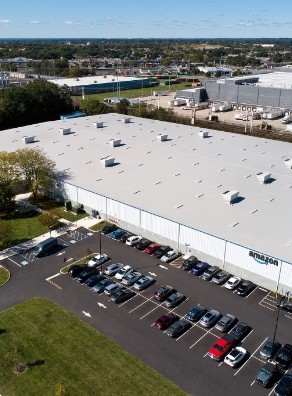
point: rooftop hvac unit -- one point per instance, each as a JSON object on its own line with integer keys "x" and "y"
{"x": 28, "y": 139}
{"x": 230, "y": 196}
{"x": 288, "y": 163}
{"x": 65, "y": 131}
{"x": 107, "y": 161}
{"x": 126, "y": 120}
{"x": 98, "y": 124}
{"x": 161, "y": 137}
{"x": 115, "y": 142}
{"x": 203, "y": 134}
{"x": 263, "y": 177}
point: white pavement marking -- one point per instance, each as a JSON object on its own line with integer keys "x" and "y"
{"x": 251, "y": 383}
{"x": 267, "y": 307}
{"x": 138, "y": 306}
{"x": 152, "y": 273}
{"x": 204, "y": 335}
{"x": 260, "y": 288}
{"x": 251, "y": 356}
{"x": 162, "y": 266}
{"x": 265, "y": 302}
{"x": 60, "y": 254}
{"x": 265, "y": 297}
{"x": 14, "y": 261}
{"x": 54, "y": 276}
{"x": 125, "y": 302}
{"x": 252, "y": 292}
{"x": 86, "y": 314}
{"x": 289, "y": 317}
{"x": 183, "y": 334}
{"x": 101, "y": 305}
{"x": 149, "y": 312}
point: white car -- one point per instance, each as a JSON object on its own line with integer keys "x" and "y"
{"x": 232, "y": 283}
{"x": 169, "y": 256}
{"x": 133, "y": 240}
{"x": 186, "y": 108}
{"x": 123, "y": 271}
{"x": 235, "y": 357}
{"x": 97, "y": 260}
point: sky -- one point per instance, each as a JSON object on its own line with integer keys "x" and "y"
{"x": 145, "y": 19}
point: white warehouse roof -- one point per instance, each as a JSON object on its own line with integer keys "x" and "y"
{"x": 83, "y": 81}
{"x": 182, "y": 178}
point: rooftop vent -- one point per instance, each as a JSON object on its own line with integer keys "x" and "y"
{"x": 115, "y": 142}
{"x": 161, "y": 137}
{"x": 107, "y": 161}
{"x": 288, "y": 163}
{"x": 126, "y": 120}
{"x": 230, "y": 196}
{"x": 178, "y": 206}
{"x": 98, "y": 124}
{"x": 263, "y": 177}
{"x": 28, "y": 139}
{"x": 203, "y": 134}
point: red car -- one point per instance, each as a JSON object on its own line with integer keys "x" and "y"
{"x": 165, "y": 320}
{"x": 222, "y": 347}
{"x": 152, "y": 248}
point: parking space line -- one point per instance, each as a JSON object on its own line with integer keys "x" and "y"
{"x": 252, "y": 383}
{"x": 272, "y": 305}
{"x": 252, "y": 292}
{"x": 14, "y": 261}
{"x": 207, "y": 332}
{"x": 183, "y": 334}
{"x": 138, "y": 306}
{"x": 289, "y": 317}
{"x": 130, "y": 299}
{"x": 262, "y": 361}
{"x": 263, "y": 289}
{"x": 265, "y": 297}
{"x": 272, "y": 301}
{"x": 149, "y": 312}
{"x": 250, "y": 358}
{"x": 247, "y": 336}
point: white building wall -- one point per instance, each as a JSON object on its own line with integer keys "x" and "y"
{"x": 158, "y": 225}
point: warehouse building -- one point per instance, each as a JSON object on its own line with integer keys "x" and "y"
{"x": 223, "y": 197}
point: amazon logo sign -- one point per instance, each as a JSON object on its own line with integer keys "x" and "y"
{"x": 262, "y": 259}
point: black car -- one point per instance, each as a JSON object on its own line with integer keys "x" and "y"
{"x": 284, "y": 356}
{"x": 163, "y": 292}
{"x": 162, "y": 251}
{"x": 99, "y": 287}
{"x": 126, "y": 236}
{"x": 210, "y": 273}
{"x": 108, "y": 229}
{"x": 196, "y": 313}
{"x": 240, "y": 331}
{"x": 284, "y": 387}
{"x": 189, "y": 263}
{"x": 141, "y": 245}
{"x": 122, "y": 295}
{"x": 76, "y": 269}
{"x": 244, "y": 288}
{"x": 178, "y": 328}
{"x": 86, "y": 273}
{"x": 266, "y": 374}
{"x": 93, "y": 280}
{"x": 285, "y": 305}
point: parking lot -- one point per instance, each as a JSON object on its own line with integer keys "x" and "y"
{"x": 184, "y": 359}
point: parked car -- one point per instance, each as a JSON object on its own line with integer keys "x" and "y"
{"x": 225, "y": 323}
{"x": 132, "y": 240}
{"x": 285, "y": 305}
{"x": 163, "y": 292}
{"x": 221, "y": 347}
{"x": 76, "y": 269}
{"x": 170, "y": 256}
{"x": 189, "y": 263}
{"x": 152, "y": 248}
{"x": 108, "y": 229}
{"x": 126, "y": 236}
{"x": 165, "y": 320}
{"x": 97, "y": 260}
{"x": 122, "y": 295}
{"x": 236, "y": 356}
{"x": 232, "y": 283}
{"x": 116, "y": 235}
{"x": 130, "y": 278}
{"x": 161, "y": 251}
{"x": 143, "y": 244}
{"x": 99, "y": 287}
{"x": 266, "y": 374}
{"x": 283, "y": 357}
{"x": 112, "y": 288}
{"x": 199, "y": 268}
{"x": 86, "y": 273}
{"x": 240, "y": 331}
{"x": 284, "y": 387}
{"x": 173, "y": 300}
{"x": 221, "y": 277}
{"x": 112, "y": 269}
{"x": 144, "y": 282}
{"x": 269, "y": 349}
{"x": 123, "y": 271}
{"x": 244, "y": 288}
{"x": 93, "y": 280}
{"x": 210, "y": 318}
{"x": 196, "y": 313}
{"x": 256, "y": 116}
{"x": 210, "y": 273}
{"x": 177, "y": 328}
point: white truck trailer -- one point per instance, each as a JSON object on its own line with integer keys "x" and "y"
{"x": 160, "y": 93}
{"x": 287, "y": 119}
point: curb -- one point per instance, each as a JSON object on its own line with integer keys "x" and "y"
{"x": 75, "y": 263}
{"x": 1, "y": 266}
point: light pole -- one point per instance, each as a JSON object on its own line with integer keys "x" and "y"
{"x": 279, "y": 307}
{"x": 100, "y": 250}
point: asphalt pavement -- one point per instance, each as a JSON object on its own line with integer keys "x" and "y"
{"x": 130, "y": 324}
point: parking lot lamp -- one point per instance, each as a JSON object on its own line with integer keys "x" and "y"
{"x": 100, "y": 249}
{"x": 278, "y": 313}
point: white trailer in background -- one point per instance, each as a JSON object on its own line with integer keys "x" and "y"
{"x": 287, "y": 119}
{"x": 215, "y": 107}
{"x": 160, "y": 93}
{"x": 241, "y": 117}
{"x": 289, "y": 128}
{"x": 225, "y": 107}
{"x": 179, "y": 102}
{"x": 271, "y": 115}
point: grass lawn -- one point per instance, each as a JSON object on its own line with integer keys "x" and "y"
{"x": 61, "y": 349}
{"x": 99, "y": 226}
{"x": 135, "y": 93}
{"x": 4, "y": 275}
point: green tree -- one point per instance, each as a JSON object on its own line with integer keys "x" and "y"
{"x": 9, "y": 176}
{"x": 6, "y": 233}
{"x": 47, "y": 220}
{"x": 92, "y": 107}
{"x": 123, "y": 107}
{"x": 38, "y": 170}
